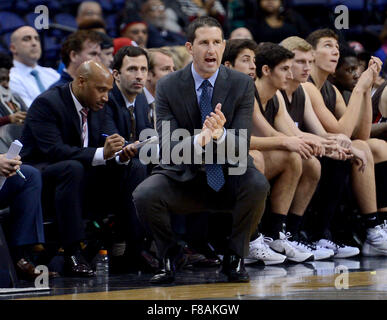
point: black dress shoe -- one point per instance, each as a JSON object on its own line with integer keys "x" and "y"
{"x": 166, "y": 274}
{"x": 234, "y": 269}
{"x": 211, "y": 259}
{"x": 170, "y": 265}
{"x": 76, "y": 266}
{"x": 27, "y": 271}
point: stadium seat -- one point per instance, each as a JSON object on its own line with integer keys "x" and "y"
{"x": 10, "y": 21}
{"x": 106, "y": 5}
{"x": 7, "y": 39}
{"x": 5, "y": 5}
{"x": 65, "y": 19}
{"x": 111, "y": 25}
{"x": 51, "y": 48}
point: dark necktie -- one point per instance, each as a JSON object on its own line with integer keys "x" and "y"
{"x": 35, "y": 74}
{"x": 84, "y": 113}
{"x": 214, "y": 172}
{"x": 152, "y": 114}
{"x": 132, "y": 135}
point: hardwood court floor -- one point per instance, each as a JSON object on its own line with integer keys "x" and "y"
{"x": 366, "y": 279}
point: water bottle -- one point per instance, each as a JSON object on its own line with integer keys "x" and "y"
{"x": 102, "y": 264}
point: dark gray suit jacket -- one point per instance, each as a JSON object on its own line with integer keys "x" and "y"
{"x": 176, "y": 103}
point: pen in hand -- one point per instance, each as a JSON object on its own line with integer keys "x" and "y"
{"x": 106, "y": 135}
{"x": 20, "y": 174}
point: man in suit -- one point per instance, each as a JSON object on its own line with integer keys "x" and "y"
{"x": 218, "y": 103}
{"x": 62, "y": 137}
{"x": 24, "y": 225}
{"x": 127, "y": 115}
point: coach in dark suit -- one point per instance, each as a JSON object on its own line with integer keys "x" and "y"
{"x": 127, "y": 115}
{"x": 62, "y": 137}
{"x": 215, "y": 100}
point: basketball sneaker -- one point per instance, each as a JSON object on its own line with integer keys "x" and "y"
{"x": 318, "y": 252}
{"x": 292, "y": 253}
{"x": 376, "y": 242}
{"x": 260, "y": 251}
{"x": 340, "y": 250}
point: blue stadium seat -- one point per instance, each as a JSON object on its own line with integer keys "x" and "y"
{"x": 111, "y": 25}
{"x": 10, "y": 21}
{"x": 106, "y": 5}
{"x": 5, "y": 5}
{"x": 118, "y": 4}
{"x": 51, "y": 48}
{"x": 65, "y": 19}
{"x": 7, "y": 39}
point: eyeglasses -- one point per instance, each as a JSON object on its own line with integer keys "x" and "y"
{"x": 155, "y": 8}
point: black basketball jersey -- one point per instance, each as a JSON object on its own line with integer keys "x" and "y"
{"x": 376, "y": 115}
{"x": 329, "y": 95}
{"x": 296, "y": 108}
{"x": 271, "y": 110}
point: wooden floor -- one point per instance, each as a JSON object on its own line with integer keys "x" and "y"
{"x": 361, "y": 278}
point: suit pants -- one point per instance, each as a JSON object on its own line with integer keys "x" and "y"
{"x": 24, "y": 226}
{"x": 124, "y": 180}
{"x": 74, "y": 192}
{"x": 242, "y": 195}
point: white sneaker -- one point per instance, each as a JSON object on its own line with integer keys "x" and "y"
{"x": 283, "y": 245}
{"x": 384, "y": 226}
{"x": 318, "y": 252}
{"x": 376, "y": 242}
{"x": 340, "y": 250}
{"x": 260, "y": 251}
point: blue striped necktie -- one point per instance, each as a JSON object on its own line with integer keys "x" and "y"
{"x": 214, "y": 172}
{"x": 35, "y": 74}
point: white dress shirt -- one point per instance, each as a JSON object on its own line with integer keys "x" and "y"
{"x": 98, "y": 156}
{"x": 198, "y": 81}
{"x": 24, "y": 84}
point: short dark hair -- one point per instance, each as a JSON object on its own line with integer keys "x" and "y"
{"x": 345, "y": 52}
{"x": 271, "y": 54}
{"x": 201, "y": 22}
{"x": 235, "y": 46}
{"x": 74, "y": 42}
{"x": 129, "y": 51}
{"x": 5, "y": 61}
{"x": 316, "y": 35}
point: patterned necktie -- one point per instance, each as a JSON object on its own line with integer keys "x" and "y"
{"x": 214, "y": 172}
{"x": 152, "y": 114}
{"x": 35, "y": 74}
{"x": 84, "y": 113}
{"x": 132, "y": 136}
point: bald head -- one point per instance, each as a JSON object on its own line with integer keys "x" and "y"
{"x": 89, "y": 9}
{"x": 92, "y": 83}
{"x": 241, "y": 33}
{"x": 25, "y": 46}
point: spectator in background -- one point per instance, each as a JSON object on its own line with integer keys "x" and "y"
{"x": 27, "y": 78}
{"x": 181, "y": 57}
{"x": 160, "y": 64}
{"x": 122, "y": 42}
{"x": 79, "y": 47}
{"x": 107, "y": 49}
{"x": 270, "y": 21}
{"x": 90, "y": 23}
{"x": 189, "y": 10}
{"x": 12, "y": 107}
{"x": 89, "y": 9}
{"x": 155, "y": 13}
{"x": 134, "y": 28}
{"x": 158, "y": 34}
{"x": 241, "y": 33}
